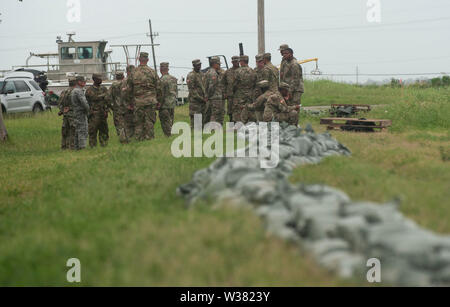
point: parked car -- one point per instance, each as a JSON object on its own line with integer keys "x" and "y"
{"x": 20, "y": 93}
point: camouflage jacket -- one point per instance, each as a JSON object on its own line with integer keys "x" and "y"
{"x": 98, "y": 98}
{"x": 214, "y": 84}
{"x": 144, "y": 85}
{"x": 291, "y": 73}
{"x": 126, "y": 94}
{"x": 196, "y": 87}
{"x": 275, "y": 76}
{"x": 263, "y": 74}
{"x": 65, "y": 102}
{"x": 169, "y": 89}
{"x": 260, "y": 103}
{"x": 244, "y": 85}
{"x": 275, "y": 107}
{"x": 115, "y": 96}
{"x": 79, "y": 103}
{"x": 228, "y": 80}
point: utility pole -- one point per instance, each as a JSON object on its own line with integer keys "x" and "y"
{"x": 261, "y": 28}
{"x": 357, "y": 75}
{"x": 153, "y": 45}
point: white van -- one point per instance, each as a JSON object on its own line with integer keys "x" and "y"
{"x": 20, "y": 93}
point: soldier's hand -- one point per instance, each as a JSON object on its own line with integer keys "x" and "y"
{"x": 297, "y": 108}
{"x": 60, "y": 113}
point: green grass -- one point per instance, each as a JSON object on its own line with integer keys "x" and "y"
{"x": 116, "y": 210}
{"x": 325, "y": 93}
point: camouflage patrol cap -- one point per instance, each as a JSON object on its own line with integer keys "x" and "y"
{"x": 235, "y": 58}
{"x": 285, "y": 86}
{"x": 259, "y": 58}
{"x": 196, "y": 62}
{"x": 263, "y": 84}
{"x": 96, "y": 76}
{"x": 164, "y": 64}
{"x": 284, "y": 47}
{"x": 243, "y": 58}
{"x": 267, "y": 55}
{"x": 80, "y": 78}
{"x": 119, "y": 74}
{"x": 143, "y": 55}
{"x": 214, "y": 60}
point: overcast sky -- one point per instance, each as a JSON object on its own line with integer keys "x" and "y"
{"x": 413, "y": 36}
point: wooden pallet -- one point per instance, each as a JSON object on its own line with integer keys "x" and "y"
{"x": 341, "y": 123}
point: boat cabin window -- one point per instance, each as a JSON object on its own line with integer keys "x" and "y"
{"x": 85, "y": 53}
{"x": 68, "y": 53}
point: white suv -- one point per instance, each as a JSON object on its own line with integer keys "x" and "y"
{"x": 20, "y": 93}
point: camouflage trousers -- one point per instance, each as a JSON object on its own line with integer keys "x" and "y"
{"x": 68, "y": 133}
{"x": 217, "y": 111}
{"x": 145, "y": 119}
{"x": 207, "y": 113}
{"x": 230, "y": 108}
{"x": 196, "y": 108}
{"x": 81, "y": 132}
{"x": 118, "y": 120}
{"x": 166, "y": 116}
{"x": 128, "y": 118}
{"x": 98, "y": 127}
{"x": 242, "y": 114}
{"x": 289, "y": 117}
{"x": 297, "y": 100}
{"x": 259, "y": 114}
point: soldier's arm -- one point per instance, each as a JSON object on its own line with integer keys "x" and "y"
{"x": 88, "y": 96}
{"x": 193, "y": 91}
{"x": 297, "y": 76}
{"x": 61, "y": 100}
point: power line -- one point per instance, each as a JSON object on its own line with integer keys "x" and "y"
{"x": 383, "y": 75}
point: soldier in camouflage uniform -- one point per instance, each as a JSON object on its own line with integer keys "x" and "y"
{"x": 144, "y": 85}
{"x": 291, "y": 73}
{"x": 275, "y": 73}
{"x": 283, "y": 48}
{"x": 80, "y": 110}
{"x": 214, "y": 88}
{"x": 97, "y": 97}
{"x": 168, "y": 99}
{"x": 65, "y": 109}
{"x": 197, "y": 97}
{"x": 262, "y": 73}
{"x": 228, "y": 80}
{"x": 277, "y": 109}
{"x": 118, "y": 106}
{"x": 128, "y": 101}
{"x": 243, "y": 92}
{"x": 259, "y": 105}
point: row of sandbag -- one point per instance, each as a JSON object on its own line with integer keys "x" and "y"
{"x": 341, "y": 234}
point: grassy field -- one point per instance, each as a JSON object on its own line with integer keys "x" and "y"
{"x": 116, "y": 210}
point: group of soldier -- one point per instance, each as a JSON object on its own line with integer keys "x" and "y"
{"x": 262, "y": 94}
{"x": 134, "y": 102}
